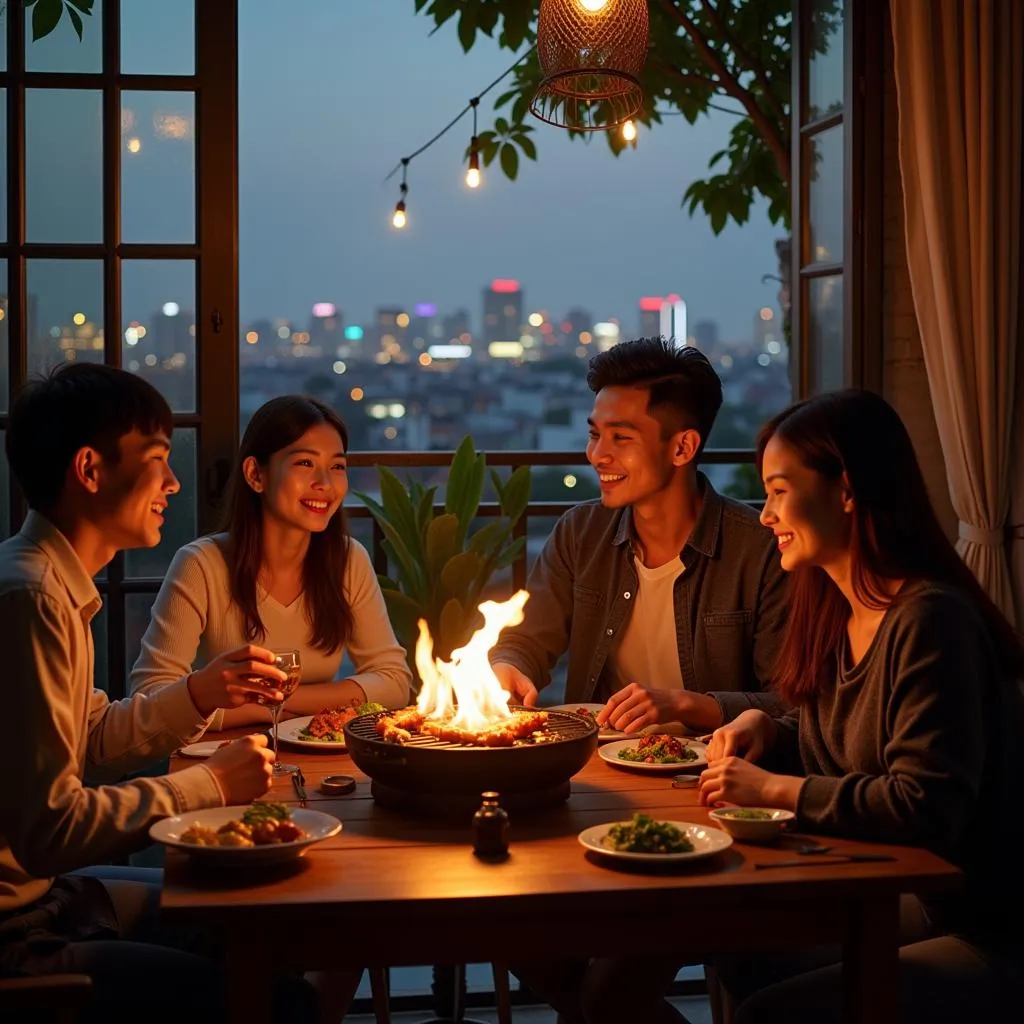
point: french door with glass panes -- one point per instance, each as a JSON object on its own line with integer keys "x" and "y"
{"x": 118, "y": 242}
{"x": 836, "y": 272}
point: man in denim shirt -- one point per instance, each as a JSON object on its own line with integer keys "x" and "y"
{"x": 668, "y": 597}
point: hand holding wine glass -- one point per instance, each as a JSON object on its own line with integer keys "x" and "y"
{"x": 242, "y": 676}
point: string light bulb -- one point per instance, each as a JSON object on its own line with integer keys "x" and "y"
{"x": 398, "y": 218}
{"x": 473, "y": 172}
{"x": 629, "y": 131}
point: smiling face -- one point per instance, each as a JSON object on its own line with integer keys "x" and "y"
{"x": 811, "y": 517}
{"x": 133, "y": 492}
{"x": 303, "y": 484}
{"x": 635, "y": 463}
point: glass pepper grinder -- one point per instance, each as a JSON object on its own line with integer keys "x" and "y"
{"x": 490, "y": 829}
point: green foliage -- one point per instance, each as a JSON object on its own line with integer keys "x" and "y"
{"x": 440, "y": 569}
{"x": 704, "y": 53}
{"x": 745, "y": 484}
{"x": 46, "y": 15}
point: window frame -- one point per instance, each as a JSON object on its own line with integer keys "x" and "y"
{"x": 861, "y": 269}
{"x": 214, "y": 86}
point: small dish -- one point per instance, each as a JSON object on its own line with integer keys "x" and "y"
{"x": 316, "y": 826}
{"x": 290, "y": 732}
{"x": 205, "y": 748}
{"x": 752, "y": 824}
{"x": 706, "y": 842}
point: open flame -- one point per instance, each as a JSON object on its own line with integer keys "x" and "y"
{"x": 465, "y": 691}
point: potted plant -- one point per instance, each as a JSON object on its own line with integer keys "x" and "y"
{"x": 439, "y": 569}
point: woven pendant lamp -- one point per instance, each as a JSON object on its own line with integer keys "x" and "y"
{"x": 591, "y": 53}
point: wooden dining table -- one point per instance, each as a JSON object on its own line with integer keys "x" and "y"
{"x": 402, "y": 888}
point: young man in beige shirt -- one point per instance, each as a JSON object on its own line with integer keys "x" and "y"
{"x": 89, "y": 446}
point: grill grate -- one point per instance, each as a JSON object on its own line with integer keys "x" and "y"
{"x": 561, "y": 726}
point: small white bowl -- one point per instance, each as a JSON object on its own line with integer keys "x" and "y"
{"x": 752, "y": 824}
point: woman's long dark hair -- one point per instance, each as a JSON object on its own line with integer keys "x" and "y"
{"x": 895, "y": 534}
{"x": 274, "y": 426}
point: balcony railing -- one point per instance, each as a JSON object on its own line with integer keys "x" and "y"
{"x": 501, "y": 459}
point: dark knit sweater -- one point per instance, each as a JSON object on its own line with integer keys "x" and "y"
{"x": 920, "y": 744}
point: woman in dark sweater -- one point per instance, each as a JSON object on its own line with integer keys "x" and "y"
{"x": 908, "y": 723}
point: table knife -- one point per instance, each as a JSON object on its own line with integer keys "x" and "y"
{"x": 844, "y": 858}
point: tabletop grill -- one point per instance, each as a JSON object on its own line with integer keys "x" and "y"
{"x": 434, "y": 774}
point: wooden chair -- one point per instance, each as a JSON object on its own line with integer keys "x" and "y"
{"x": 61, "y": 996}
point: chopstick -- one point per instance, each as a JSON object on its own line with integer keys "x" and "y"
{"x": 844, "y": 858}
{"x": 299, "y": 785}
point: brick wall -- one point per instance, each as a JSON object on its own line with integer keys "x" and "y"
{"x": 904, "y": 381}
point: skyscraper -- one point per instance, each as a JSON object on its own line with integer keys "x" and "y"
{"x": 503, "y": 312}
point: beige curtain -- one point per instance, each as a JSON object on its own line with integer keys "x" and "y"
{"x": 958, "y": 76}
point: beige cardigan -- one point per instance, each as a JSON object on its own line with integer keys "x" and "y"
{"x": 194, "y": 619}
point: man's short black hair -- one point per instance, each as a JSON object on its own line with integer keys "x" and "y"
{"x": 76, "y": 405}
{"x": 685, "y": 393}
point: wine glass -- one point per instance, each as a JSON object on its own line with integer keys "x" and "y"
{"x": 288, "y": 662}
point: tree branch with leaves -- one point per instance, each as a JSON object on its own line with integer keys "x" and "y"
{"x": 700, "y": 52}
{"x": 46, "y": 15}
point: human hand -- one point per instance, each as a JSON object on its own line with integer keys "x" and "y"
{"x": 635, "y": 706}
{"x": 735, "y": 781}
{"x": 238, "y": 677}
{"x": 748, "y": 735}
{"x": 519, "y": 685}
{"x": 243, "y": 769}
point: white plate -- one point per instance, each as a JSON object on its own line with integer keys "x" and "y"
{"x": 604, "y": 733}
{"x": 706, "y": 843}
{"x": 315, "y": 824}
{"x": 288, "y": 732}
{"x": 203, "y": 749}
{"x": 610, "y": 753}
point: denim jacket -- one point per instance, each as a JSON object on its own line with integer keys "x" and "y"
{"x": 730, "y": 604}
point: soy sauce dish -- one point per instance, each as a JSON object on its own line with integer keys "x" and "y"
{"x": 752, "y": 824}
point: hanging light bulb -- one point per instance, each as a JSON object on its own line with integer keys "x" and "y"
{"x": 398, "y": 218}
{"x": 593, "y": 5}
{"x": 473, "y": 173}
{"x": 629, "y": 131}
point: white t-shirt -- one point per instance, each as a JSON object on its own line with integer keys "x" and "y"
{"x": 194, "y": 619}
{"x": 647, "y": 651}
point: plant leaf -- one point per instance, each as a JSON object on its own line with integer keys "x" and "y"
{"x": 517, "y": 494}
{"x": 511, "y": 553}
{"x": 459, "y": 575}
{"x": 441, "y": 545}
{"x": 76, "y": 21}
{"x": 398, "y": 508}
{"x": 488, "y": 539}
{"x": 45, "y": 16}
{"x": 404, "y": 613}
{"x": 498, "y": 484}
{"x": 85, "y": 6}
{"x": 509, "y": 161}
{"x": 467, "y": 27}
{"x": 452, "y": 629}
{"x": 458, "y": 473}
{"x": 398, "y": 551}
{"x": 425, "y": 512}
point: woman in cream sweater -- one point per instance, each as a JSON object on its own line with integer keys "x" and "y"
{"x": 284, "y": 574}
